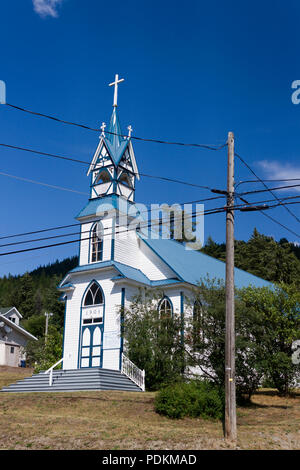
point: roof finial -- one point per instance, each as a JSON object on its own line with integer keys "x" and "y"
{"x": 115, "y": 83}
{"x": 103, "y": 129}
{"x": 129, "y": 131}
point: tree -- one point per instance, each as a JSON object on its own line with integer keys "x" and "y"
{"x": 153, "y": 341}
{"x": 40, "y": 354}
{"x": 205, "y": 339}
{"x": 278, "y": 312}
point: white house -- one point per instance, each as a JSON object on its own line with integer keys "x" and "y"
{"x": 13, "y": 338}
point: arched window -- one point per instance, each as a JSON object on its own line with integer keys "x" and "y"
{"x": 124, "y": 179}
{"x": 102, "y": 177}
{"x": 93, "y": 296}
{"x": 97, "y": 242}
{"x": 165, "y": 308}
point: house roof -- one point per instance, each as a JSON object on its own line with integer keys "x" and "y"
{"x": 192, "y": 265}
{"x": 17, "y": 327}
{"x": 6, "y": 310}
{"x": 124, "y": 272}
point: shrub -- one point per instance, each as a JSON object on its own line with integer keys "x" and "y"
{"x": 194, "y": 399}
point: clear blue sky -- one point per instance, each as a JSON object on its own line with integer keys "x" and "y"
{"x": 193, "y": 71}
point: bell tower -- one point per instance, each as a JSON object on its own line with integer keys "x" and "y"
{"x": 113, "y": 173}
{"x": 113, "y": 169}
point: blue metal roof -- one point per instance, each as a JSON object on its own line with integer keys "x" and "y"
{"x": 97, "y": 205}
{"x": 125, "y": 271}
{"x": 191, "y": 266}
{"x": 115, "y": 142}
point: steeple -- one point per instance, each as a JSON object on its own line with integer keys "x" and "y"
{"x": 113, "y": 168}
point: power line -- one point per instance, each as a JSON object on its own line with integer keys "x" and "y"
{"x": 259, "y": 179}
{"x": 158, "y": 141}
{"x": 20, "y": 178}
{"x": 163, "y": 178}
{"x": 269, "y": 189}
{"x": 216, "y": 210}
{"x": 266, "y": 180}
{"x": 89, "y": 238}
{"x": 272, "y": 218}
{"x": 76, "y": 225}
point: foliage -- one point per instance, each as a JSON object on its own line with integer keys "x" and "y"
{"x": 263, "y": 257}
{"x": 153, "y": 342}
{"x": 43, "y": 354}
{"x": 35, "y": 293}
{"x": 267, "y": 322}
{"x": 195, "y": 398}
{"x": 279, "y": 319}
{"x": 207, "y": 350}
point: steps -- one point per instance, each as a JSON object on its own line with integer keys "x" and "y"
{"x": 75, "y": 380}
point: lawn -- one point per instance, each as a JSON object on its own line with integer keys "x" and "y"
{"x": 124, "y": 420}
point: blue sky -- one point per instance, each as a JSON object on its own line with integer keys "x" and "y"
{"x": 192, "y": 73}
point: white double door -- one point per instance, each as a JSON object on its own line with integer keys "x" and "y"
{"x": 91, "y": 346}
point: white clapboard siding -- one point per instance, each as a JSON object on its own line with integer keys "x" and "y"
{"x": 130, "y": 250}
{"x": 112, "y": 298}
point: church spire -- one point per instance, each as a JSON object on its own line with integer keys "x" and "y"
{"x": 113, "y": 168}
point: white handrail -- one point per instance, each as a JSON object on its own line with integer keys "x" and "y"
{"x": 51, "y": 371}
{"x": 133, "y": 372}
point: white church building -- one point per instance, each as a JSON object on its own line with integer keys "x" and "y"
{"x": 115, "y": 262}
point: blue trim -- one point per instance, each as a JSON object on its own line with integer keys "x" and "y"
{"x": 121, "y": 325}
{"x": 112, "y": 252}
{"x": 182, "y": 316}
{"x": 63, "y": 349}
{"x": 80, "y": 325}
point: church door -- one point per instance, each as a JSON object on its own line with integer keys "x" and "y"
{"x": 92, "y": 324}
{"x": 91, "y": 350}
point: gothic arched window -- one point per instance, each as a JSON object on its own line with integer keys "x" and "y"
{"x": 97, "y": 242}
{"x": 124, "y": 179}
{"x": 103, "y": 177}
{"x": 93, "y": 296}
{"x": 165, "y": 308}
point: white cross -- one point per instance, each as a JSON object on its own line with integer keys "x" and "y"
{"x": 115, "y": 83}
{"x": 103, "y": 128}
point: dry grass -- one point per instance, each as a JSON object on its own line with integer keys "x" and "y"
{"x": 122, "y": 420}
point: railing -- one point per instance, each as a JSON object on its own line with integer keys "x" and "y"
{"x": 133, "y": 372}
{"x": 51, "y": 371}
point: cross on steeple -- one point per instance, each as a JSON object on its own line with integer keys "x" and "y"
{"x": 115, "y": 83}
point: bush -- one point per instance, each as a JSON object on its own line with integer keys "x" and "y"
{"x": 196, "y": 398}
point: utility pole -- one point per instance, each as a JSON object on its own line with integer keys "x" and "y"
{"x": 230, "y": 395}
{"x": 47, "y": 315}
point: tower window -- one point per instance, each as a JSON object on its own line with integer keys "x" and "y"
{"x": 96, "y": 243}
{"x": 102, "y": 177}
{"x": 124, "y": 179}
{"x": 93, "y": 296}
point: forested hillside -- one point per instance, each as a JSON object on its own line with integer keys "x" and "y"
{"x": 35, "y": 292}
{"x": 263, "y": 256}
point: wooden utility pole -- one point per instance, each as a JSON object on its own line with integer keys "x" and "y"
{"x": 230, "y": 398}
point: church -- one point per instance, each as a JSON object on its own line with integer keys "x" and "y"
{"x": 115, "y": 262}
